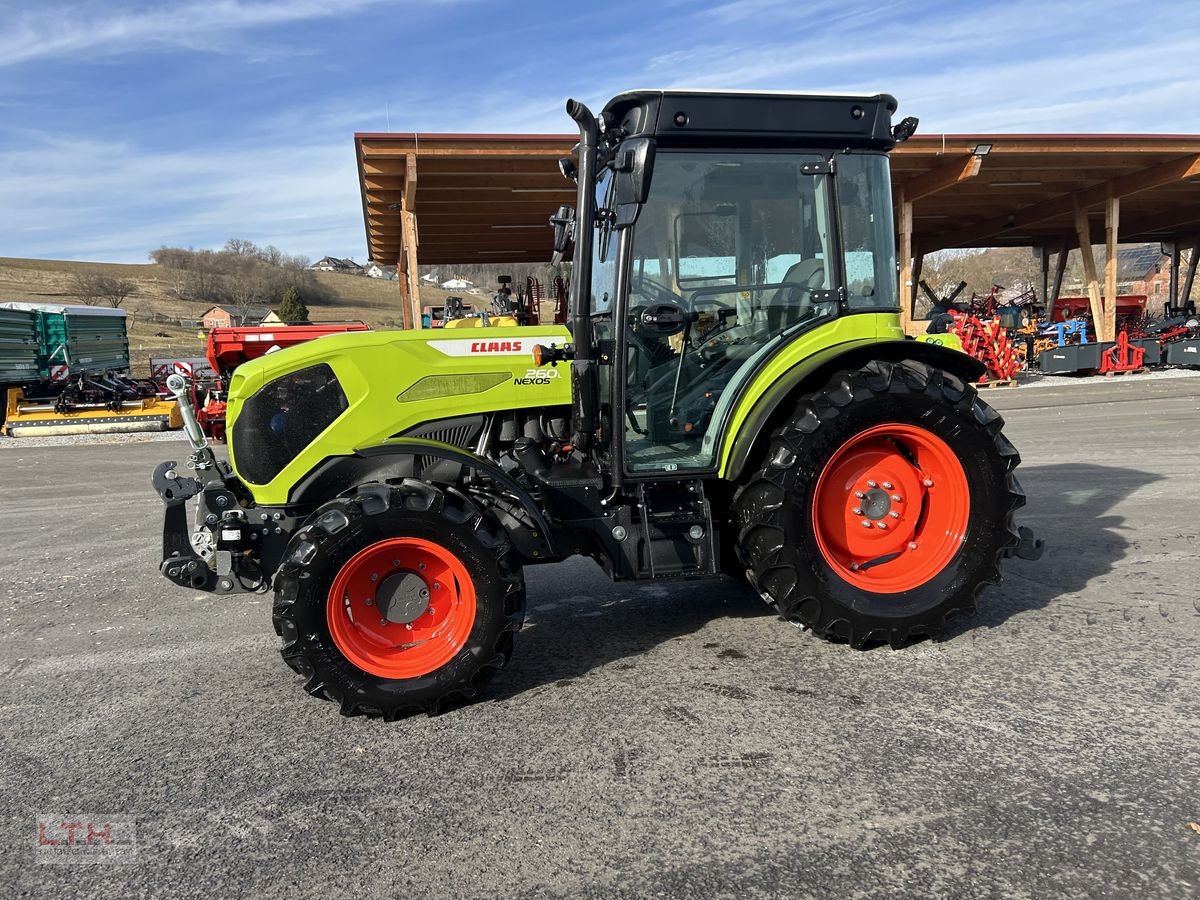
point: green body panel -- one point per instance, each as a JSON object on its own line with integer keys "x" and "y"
{"x": 395, "y": 380}
{"x": 949, "y": 341}
{"x": 806, "y": 353}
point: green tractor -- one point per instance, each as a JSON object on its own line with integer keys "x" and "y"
{"x": 733, "y": 394}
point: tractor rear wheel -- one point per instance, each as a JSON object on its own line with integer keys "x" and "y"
{"x": 884, "y": 506}
{"x": 398, "y": 600}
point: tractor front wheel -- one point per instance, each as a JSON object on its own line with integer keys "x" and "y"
{"x": 884, "y": 506}
{"x": 398, "y": 599}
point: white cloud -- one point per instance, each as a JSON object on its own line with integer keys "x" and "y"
{"x": 117, "y": 202}
{"x": 105, "y": 29}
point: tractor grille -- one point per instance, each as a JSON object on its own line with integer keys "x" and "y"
{"x": 283, "y": 418}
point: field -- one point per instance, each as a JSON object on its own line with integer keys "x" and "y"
{"x": 660, "y": 740}
{"x": 154, "y": 313}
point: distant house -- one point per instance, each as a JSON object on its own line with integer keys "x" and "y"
{"x": 374, "y": 270}
{"x": 457, "y": 284}
{"x": 334, "y": 264}
{"x": 1145, "y": 269}
{"x": 220, "y": 317}
{"x": 271, "y": 318}
{"x": 430, "y": 278}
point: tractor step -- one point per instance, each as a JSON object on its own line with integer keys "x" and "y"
{"x": 1003, "y": 382}
{"x": 1124, "y": 372}
{"x": 676, "y": 530}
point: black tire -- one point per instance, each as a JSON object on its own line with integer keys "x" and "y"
{"x": 774, "y": 510}
{"x": 342, "y": 528}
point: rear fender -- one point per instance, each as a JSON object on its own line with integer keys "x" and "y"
{"x": 810, "y": 375}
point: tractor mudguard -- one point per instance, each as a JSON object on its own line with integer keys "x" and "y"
{"x": 338, "y": 474}
{"x": 814, "y": 372}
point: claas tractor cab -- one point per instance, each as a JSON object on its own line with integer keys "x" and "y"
{"x": 732, "y": 395}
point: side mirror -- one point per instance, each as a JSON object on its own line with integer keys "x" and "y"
{"x": 632, "y": 167}
{"x": 563, "y": 223}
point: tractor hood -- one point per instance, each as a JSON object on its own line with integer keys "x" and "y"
{"x": 292, "y": 409}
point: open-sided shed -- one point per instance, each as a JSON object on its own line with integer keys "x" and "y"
{"x": 457, "y": 198}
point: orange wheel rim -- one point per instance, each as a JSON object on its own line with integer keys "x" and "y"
{"x": 401, "y": 608}
{"x": 891, "y": 508}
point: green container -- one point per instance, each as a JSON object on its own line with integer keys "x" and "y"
{"x": 19, "y": 348}
{"x": 82, "y": 338}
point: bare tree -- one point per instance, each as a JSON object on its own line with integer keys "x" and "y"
{"x": 240, "y": 247}
{"x": 86, "y": 287}
{"x": 113, "y": 291}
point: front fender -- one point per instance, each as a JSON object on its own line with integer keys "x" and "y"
{"x": 397, "y": 457}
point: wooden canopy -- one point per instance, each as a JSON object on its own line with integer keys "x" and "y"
{"x": 458, "y": 198}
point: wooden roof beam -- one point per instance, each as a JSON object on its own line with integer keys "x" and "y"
{"x": 410, "y": 182}
{"x": 1176, "y": 170}
{"x": 941, "y": 178}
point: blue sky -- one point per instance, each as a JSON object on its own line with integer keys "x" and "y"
{"x": 128, "y": 124}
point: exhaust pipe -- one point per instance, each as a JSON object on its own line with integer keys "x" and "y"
{"x": 584, "y": 379}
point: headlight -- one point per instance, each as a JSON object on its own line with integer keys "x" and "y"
{"x": 283, "y": 418}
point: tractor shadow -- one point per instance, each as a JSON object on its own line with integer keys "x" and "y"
{"x": 1070, "y": 507}
{"x": 579, "y": 621}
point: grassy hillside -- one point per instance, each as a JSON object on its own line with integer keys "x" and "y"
{"x": 154, "y": 312}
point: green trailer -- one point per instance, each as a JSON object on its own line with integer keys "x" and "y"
{"x": 66, "y": 340}
{"x": 65, "y": 370}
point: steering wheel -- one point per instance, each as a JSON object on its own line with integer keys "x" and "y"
{"x": 653, "y": 290}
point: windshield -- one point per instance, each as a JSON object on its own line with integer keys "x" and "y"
{"x": 742, "y": 220}
{"x": 743, "y": 248}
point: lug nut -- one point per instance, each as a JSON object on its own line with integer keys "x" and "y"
{"x": 896, "y": 498}
{"x": 859, "y": 494}
{"x": 872, "y": 484}
{"x": 853, "y": 567}
{"x": 409, "y": 626}
{"x": 912, "y": 545}
{"x": 396, "y": 563}
{"x": 883, "y": 524}
{"x": 423, "y": 594}
{"x": 894, "y": 514}
{"x": 928, "y": 482}
{"x": 429, "y": 612}
{"x": 368, "y": 601}
{"x": 374, "y": 576}
{"x": 420, "y": 566}
{"x": 857, "y": 511}
{"x": 887, "y": 485}
{"x": 866, "y": 524}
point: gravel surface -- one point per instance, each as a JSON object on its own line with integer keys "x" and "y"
{"x": 648, "y": 739}
{"x": 71, "y": 440}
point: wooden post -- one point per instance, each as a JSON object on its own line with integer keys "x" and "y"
{"x": 1042, "y": 252}
{"x": 904, "y": 238}
{"x": 1060, "y": 269}
{"x": 402, "y": 282}
{"x": 1173, "y": 286}
{"x": 1083, "y": 230}
{"x": 1185, "y": 295}
{"x": 414, "y": 282}
{"x": 1112, "y": 224}
{"x": 918, "y": 264}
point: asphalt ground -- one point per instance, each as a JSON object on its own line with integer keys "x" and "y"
{"x": 646, "y": 740}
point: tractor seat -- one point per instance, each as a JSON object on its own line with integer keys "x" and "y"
{"x": 793, "y": 301}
